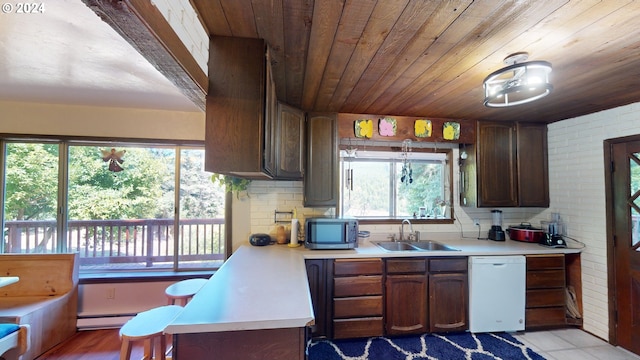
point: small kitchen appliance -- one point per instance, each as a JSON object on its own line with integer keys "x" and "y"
{"x": 554, "y": 232}
{"x": 525, "y": 232}
{"x": 260, "y": 239}
{"x": 496, "y": 233}
{"x": 331, "y": 233}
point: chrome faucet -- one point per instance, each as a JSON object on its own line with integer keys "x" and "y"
{"x": 402, "y": 230}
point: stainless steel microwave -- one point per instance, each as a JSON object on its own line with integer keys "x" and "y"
{"x": 331, "y": 233}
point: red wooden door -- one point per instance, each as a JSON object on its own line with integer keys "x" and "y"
{"x": 626, "y": 231}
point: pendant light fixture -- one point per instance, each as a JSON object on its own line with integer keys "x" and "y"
{"x": 518, "y": 83}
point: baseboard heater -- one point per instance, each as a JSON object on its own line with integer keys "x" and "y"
{"x": 102, "y": 321}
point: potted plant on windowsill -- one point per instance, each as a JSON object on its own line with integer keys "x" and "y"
{"x": 231, "y": 183}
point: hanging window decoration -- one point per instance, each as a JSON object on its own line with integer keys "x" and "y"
{"x": 451, "y": 131}
{"x": 406, "y": 176}
{"x": 363, "y": 128}
{"x": 422, "y": 128}
{"x": 387, "y": 126}
{"x": 114, "y": 158}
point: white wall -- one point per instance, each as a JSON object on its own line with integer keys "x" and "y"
{"x": 577, "y": 190}
{"x": 74, "y": 120}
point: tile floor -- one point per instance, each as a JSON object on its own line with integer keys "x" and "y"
{"x": 569, "y": 344}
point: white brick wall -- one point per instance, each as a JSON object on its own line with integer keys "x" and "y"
{"x": 577, "y": 191}
{"x": 268, "y": 196}
{"x": 183, "y": 19}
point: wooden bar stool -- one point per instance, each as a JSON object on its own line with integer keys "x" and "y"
{"x": 183, "y": 291}
{"x": 148, "y": 326}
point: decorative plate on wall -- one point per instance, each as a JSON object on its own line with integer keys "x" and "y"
{"x": 451, "y": 130}
{"x": 387, "y": 126}
{"x": 422, "y": 128}
{"x": 363, "y": 128}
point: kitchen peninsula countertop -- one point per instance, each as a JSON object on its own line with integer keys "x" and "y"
{"x": 267, "y": 287}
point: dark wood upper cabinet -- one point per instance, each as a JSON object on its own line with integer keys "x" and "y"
{"x": 533, "y": 168}
{"x": 496, "y": 157}
{"x": 288, "y": 151}
{"x": 235, "y": 115}
{"x": 507, "y": 167}
{"x": 248, "y": 132}
{"x": 321, "y": 167}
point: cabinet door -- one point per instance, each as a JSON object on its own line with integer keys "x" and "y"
{"x": 270, "y": 120}
{"x": 448, "y": 302}
{"x": 234, "y": 127}
{"x": 533, "y": 177}
{"x": 406, "y": 304}
{"x": 496, "y": 164}
{"x": 318, "y": 274}
{"x": 289, "y": 149}
{"x": 321, "y": 167}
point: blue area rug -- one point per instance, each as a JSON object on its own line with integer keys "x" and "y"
{"x": 463, "y": 346}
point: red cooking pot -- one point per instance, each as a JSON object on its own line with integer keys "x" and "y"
{"x": 527, "y": 233}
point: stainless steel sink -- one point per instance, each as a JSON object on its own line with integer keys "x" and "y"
{"x": 396, "y": 246}
{"x": 414, "y": 246}
{"x": 432, "y": 246}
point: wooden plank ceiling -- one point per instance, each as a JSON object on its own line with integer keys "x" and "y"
{"x": 429, "y": 58}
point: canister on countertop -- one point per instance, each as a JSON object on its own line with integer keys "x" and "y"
{"x": 281, "y": 235}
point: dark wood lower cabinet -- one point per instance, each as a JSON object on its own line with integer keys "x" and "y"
{"x": 448, "y": 305}
{"x": 319, "y": 276}
{"x": 406, "y": 304}
{"x": 546, "y": 282}
{"x": 357, "y": 298}
{"x": 397, "y": 296}
{"x": 269, "y": 344}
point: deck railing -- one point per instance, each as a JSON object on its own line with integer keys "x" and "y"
{"x": 145, "y": 242}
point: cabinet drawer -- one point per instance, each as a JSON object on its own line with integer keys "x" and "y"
{"x": 545, "y": 298}
{"x": 400, "y": 266}
{"x": 352, "y": 328}
{"x": 357, "y": 307}
{"x": 545, "y": 279}
{"x": 357, "y": 286}
{"x": 545, "y": 262}
{"x": 540, "y": 317}
{"x": 346, "y": 267}
{"x": 448, "y": 265}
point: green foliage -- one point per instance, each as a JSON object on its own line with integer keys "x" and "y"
{"x": 144, "y": 189}
{"x": 31, "y": 181}
{"x": 198, "y": 199}
{"x": 426, "y": 189}
{"x": 231, "y": 183}
{"x": 134, "y": 193}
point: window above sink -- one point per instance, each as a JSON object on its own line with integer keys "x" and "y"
{"x": 377, "y": 184}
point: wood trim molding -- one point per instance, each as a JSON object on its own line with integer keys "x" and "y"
{"x": 142, "y": 25}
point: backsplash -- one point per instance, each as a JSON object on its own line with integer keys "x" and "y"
{"x": 266, "y": 197}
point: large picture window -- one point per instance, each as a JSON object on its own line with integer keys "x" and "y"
{"x": 121, "y": 206}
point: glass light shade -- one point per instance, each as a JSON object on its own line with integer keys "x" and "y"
{"x": 517, "y": 84}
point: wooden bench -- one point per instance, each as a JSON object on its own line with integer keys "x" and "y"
{"x": 45, "y": 297}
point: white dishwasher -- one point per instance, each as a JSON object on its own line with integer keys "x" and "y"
{"x": 496, "y": 293}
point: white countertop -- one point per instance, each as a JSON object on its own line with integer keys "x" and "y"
{"x": 267, "y": 287}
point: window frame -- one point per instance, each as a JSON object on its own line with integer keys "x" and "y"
{"x": 424, "y": 148}
{"x": 64, "y": 142}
